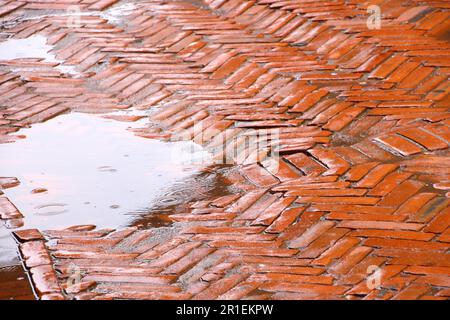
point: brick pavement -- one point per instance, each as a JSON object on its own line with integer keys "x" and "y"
{"x": 362, "y": 186}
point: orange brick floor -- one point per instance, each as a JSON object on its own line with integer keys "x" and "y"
{"x": 362, "y": 189}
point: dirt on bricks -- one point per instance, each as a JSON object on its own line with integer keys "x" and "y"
{"x": 357, "y": 206}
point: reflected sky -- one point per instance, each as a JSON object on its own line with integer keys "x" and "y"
{"x": 94, "y": 170}
{"x": 32, "y": 47}
{"x": 8, "y": 248}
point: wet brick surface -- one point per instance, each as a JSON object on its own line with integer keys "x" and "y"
{"x": 362, "y": 114}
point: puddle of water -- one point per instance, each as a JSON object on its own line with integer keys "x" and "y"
{"x": 113, "y": 14}
{"x": 32, "y": 47}
{"x": 91, "y": 170}
{"x": 15, "y": 284}
{"x": 85, "y": 169}
{"x": 8, "y": 249}
{"x": 36, "y": 46}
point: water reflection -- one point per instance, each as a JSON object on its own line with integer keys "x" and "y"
{"x": 8, "y": 248}
{"x": 96, "y": 172}
{"x": 85, "y": 169}
{"x": 176, "y": 199}
{"x": 32, "y": 47}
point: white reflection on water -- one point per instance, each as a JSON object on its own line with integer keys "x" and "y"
{"x": 32, "y": 47}
{"x": 95, "y": 171}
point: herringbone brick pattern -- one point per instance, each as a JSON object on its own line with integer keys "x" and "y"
{"x": 363, "y": 124}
